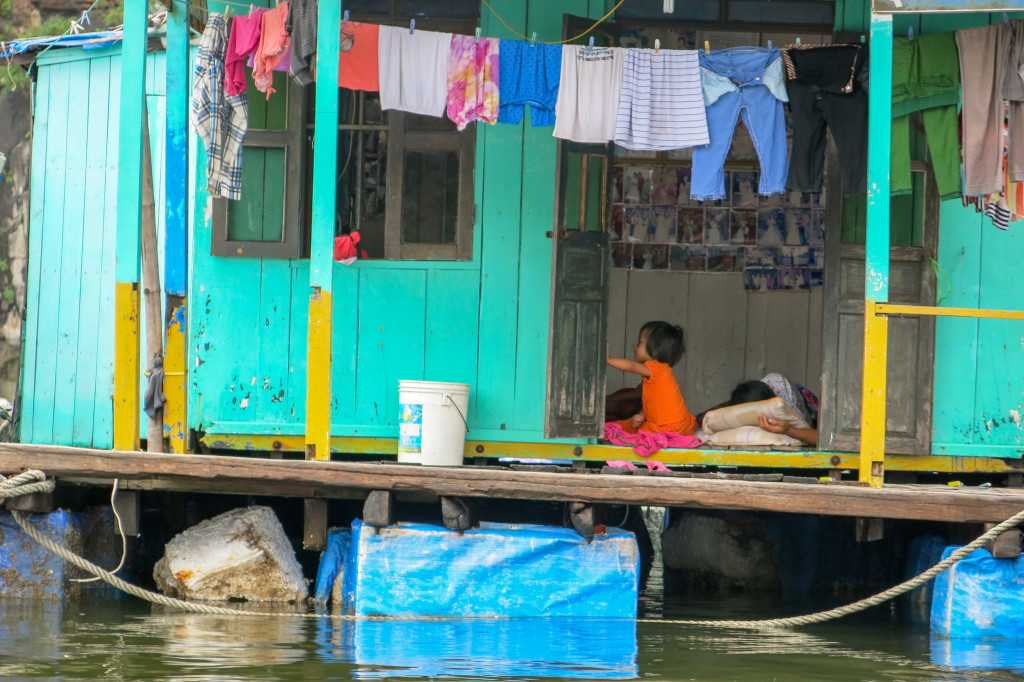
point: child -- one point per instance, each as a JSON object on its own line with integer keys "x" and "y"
{"x": 659, "y": 348}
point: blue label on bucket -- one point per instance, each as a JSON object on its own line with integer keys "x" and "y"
{"x": 410, "y": 428}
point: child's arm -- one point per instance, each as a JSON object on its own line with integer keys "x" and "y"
{"x": 808, "y": 436}
{"x": 628, "y": 366}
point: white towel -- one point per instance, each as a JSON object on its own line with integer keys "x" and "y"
{"x": 414, "y": 70}
{"x": 661, "y": 106}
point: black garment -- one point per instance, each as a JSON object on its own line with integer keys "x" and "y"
{"x": 828, "y": 90}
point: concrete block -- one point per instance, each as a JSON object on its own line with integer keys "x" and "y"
{"x": 241, "y": 554}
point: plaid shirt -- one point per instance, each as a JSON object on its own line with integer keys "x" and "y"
{"x": 219, "y": 120}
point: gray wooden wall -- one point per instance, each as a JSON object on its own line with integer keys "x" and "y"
{"x": 731, "y": 334}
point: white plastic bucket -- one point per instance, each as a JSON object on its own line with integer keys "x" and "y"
{"x": 432, "y": 422}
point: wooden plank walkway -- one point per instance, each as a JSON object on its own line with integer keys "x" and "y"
{"x": 310, "y": 479}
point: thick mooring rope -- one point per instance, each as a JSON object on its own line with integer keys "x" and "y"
{"x": 36, "y": 482}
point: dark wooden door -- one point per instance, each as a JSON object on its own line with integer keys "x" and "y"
{"x": 579, "y": 294}
{"x": 909, "y": 376}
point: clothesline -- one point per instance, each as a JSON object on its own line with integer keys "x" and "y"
{"x": 556, "y": 42}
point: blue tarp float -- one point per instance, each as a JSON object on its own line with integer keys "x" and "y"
{"x": 87, "y": 41}
{"x": 979, "y": 597}
{"x": 497, "y": 570}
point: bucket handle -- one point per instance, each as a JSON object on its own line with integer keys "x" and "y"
{"x": 448, "y": 397}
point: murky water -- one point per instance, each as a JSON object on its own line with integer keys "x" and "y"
{"x": 121, "y": 638}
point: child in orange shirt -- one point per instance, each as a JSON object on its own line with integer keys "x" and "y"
{"x": 659, "y": 348}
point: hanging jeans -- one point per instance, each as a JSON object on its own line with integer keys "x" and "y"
{"x": 926, "y": 78}
{"x": 748, "y": 82}
{"x": 824, "y": 91}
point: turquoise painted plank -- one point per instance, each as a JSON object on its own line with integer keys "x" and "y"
{"x": 177, "y": 81}
{"x": 273, "y": 339}
{"x": 297, "y": 351}
{"x": 51, "y": 252}
{"x": 325, "y": 152}
{"x": 453, "y": 307}
{"x": 1000, "y": 388}
{"x": 103, "y": 414}
{"x": 33, "y": 299}
{"x": 94, "y": 228}
{"x": 71, "y": 245}
{"x": 344, "y": 344}
{"x": 956, "y": 339}
{"x": 876, "y": 270}
{"x": 392, "y": 321}
{"x": 499, "y": 230}
{"x": 129, "y": 173}
{"x": 940, "y": 23}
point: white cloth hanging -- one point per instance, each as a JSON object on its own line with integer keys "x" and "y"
{"x": 414, "y": 70}
{"x": 588, "y": 94}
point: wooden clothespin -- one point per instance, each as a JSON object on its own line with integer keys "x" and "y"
{"x": 478, "y": 34}
{"x": 252, "y": 9}
{"x": 227, "y": 13}
{"x": 533, "y": 39}
{"x": 657, "y": 46}
{"x": 412, "y": 26}
{"x": 344, "y": 18}
{"x": 707, "y": 47}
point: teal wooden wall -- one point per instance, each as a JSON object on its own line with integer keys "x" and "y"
{"x": 484, "y": 322}
{"x": 68, "y": 361}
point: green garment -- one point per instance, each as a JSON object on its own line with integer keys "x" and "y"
{"x": 926, "y": 78}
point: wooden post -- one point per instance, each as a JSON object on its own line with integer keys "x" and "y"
{"x": 151, "y": 282}
{"x": 129, "y": 205}
{"x": 876, "y": 260}
{"x": 176, "y": 170}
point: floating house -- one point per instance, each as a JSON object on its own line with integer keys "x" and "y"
{"x": 499, "y": 257}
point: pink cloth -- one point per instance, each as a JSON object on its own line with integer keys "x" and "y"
{"x": 245, "y": 36}
{"x": 473, "y": 80}
{"x": 652, "y": 465}
{"x": 274, "y": 43}
{"x": 646, "y": 443}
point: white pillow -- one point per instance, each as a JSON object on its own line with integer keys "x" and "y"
{"x": 747, "y": 415}
{"x": 751, "y": 435}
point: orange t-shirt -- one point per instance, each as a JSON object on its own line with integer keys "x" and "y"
{"x": 664, "y": 407}
{"x": 358, "y": 68}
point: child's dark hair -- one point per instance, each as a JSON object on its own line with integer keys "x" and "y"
{"x": 750, "y": 392}
{"x": 664, "y": 341}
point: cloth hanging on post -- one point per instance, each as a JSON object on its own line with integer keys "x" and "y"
{"x": 745, "y": 82}
{"x": 219, "y": 120}
{"x": 1013, "y": 93}
{"x": 662, "y": 105}
{"x": 529, "y": 74}
{"x": 359, "y": 63}
{"x": 589, "y": 89}
{"x": 826, "y": 93}
{"x": 473, "y": 80}
{"x": 926, "y": 78}
{"x": 414, "y": 70}
{"x": 275, "y": 42}
{"x": 242, "y": 42}
{"x": 301, "y": 26}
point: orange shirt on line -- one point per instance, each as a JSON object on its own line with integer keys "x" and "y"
{"x": 664, "y": 407}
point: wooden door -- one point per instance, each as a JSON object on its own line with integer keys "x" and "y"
{"x": 914, "y": 240}
{"x": 579, "y": 294}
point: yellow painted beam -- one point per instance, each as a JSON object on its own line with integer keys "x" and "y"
{"x": 318, "y": 377}
{"x": 388, "y": 447}
{"x": 872, "y": 416}
{"x": 126, "y": 366}
{"x": 175, "y": 377}
{"x": 896, "y": 309}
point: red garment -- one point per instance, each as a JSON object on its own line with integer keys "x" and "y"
{"x": 244, "y": 38}
{"x": 345, "y": 246}
{"x": 358, "y": 68}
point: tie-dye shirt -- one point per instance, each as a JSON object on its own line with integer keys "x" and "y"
{"x": 473, "y": 80}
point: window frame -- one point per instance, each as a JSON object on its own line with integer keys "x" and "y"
{"x": 290, "y": 139}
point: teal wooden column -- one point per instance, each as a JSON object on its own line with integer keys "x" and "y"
{"x": 321, "y": 263}
{"x": 129, "y": 223}
{"x": 176, "y": 167}
{"x": 876, "y": 261}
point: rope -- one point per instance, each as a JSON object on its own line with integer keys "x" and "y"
{"x": 553, "y": 42}
{"x": 35, "y": 481}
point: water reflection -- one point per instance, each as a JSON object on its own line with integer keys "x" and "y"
{"x": 564, "y": 648}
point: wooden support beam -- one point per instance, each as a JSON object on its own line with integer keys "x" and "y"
{"x": 1006, "y": 545}
{"x": 126, "y": 502}
{"x": 868, "y": 529}
{"x": 34, "y": 503}
{"x": 314, "y": 533}
{"x": 379, "y": 509}
{"x": 329, "y": 479}
{"x": 876, "y": 256}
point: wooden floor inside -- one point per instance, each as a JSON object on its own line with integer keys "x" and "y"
{"x": 326, "y": 480}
